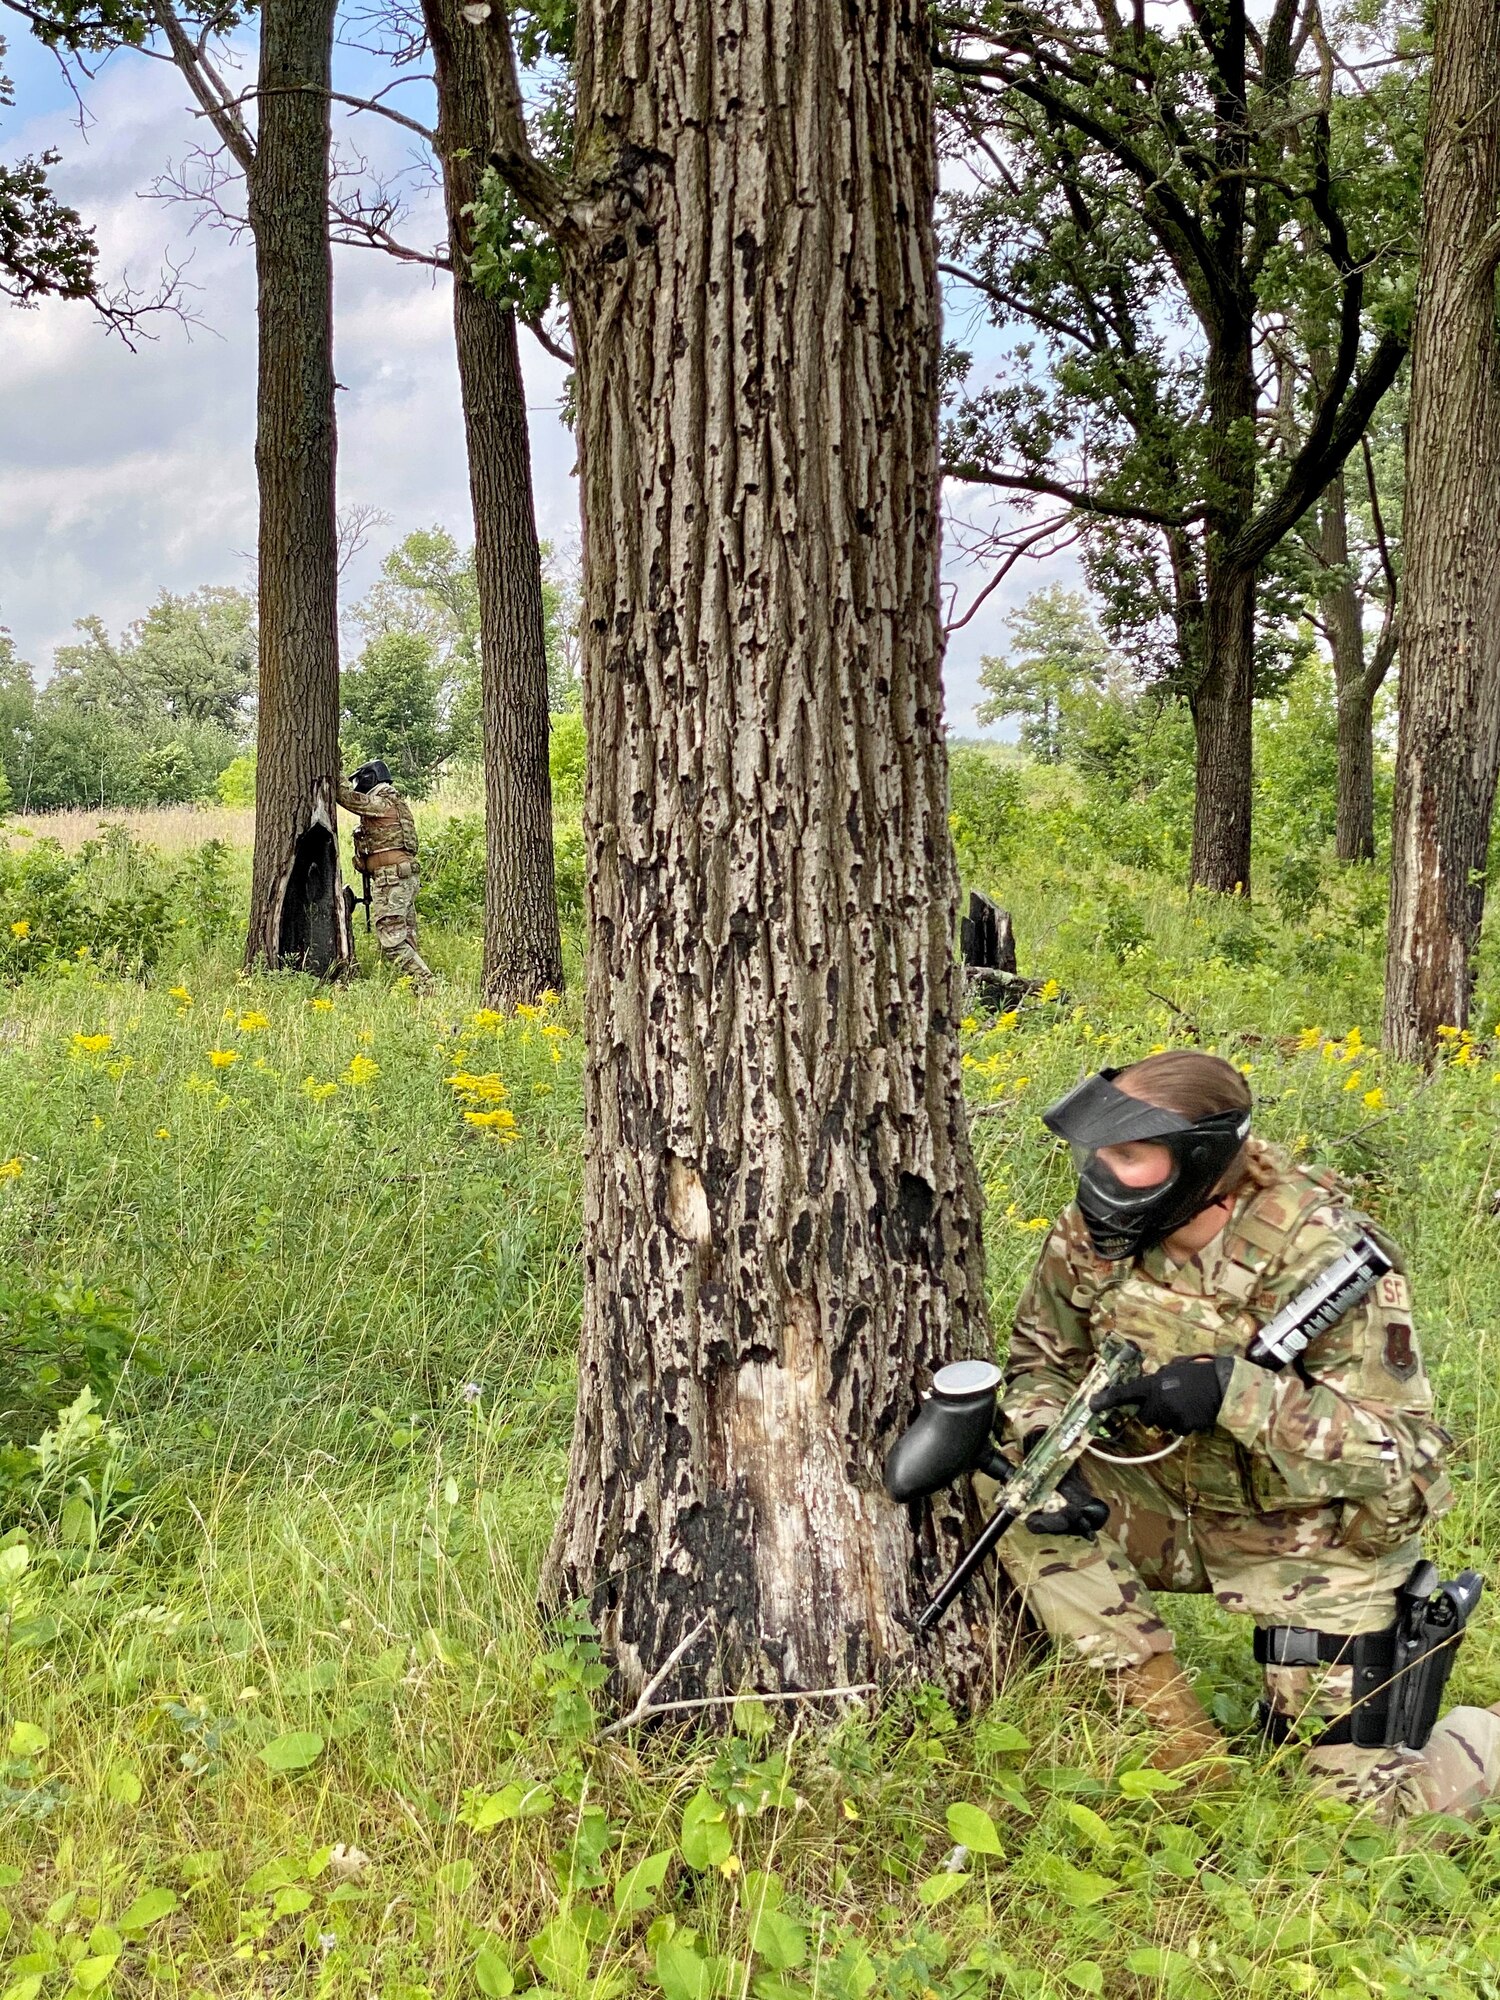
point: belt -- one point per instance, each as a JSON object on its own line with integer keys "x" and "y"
{"x": 1300, "y": 1646}
{"x": 386, "y": 857}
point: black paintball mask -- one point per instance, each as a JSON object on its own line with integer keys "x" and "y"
{"x": 1123, "y": 1220}
{"x": 368, "y": 776}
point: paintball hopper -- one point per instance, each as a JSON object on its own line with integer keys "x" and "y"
{"x": 950, "y": 1434}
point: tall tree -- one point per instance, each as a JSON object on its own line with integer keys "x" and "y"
{"x": 522, "y": 939}
{"x": 296, "y": 905}
{"x": 1448, "y": 748}
{"x": 781, "y": 1213}
{"x": 46, "y": 251}
{"x": 1132, "y": 179}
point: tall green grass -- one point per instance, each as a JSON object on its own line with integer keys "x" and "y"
{"x": 276, "y": 1714}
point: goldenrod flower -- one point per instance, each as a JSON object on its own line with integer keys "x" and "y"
{"x": 223, "y": 1058}
{"x": 965, "y": 1027}
{"x": 1309, "y": 1038}
{"x": 181, "y": 995}
{"x": 21, "y": 927}
{"x": 501, "y": 1123}
{"x": 13, "y": 1168}
{"x": 317, "y": 1091}
{"x": 555, "y": 1032}
{"x": 92, "y": 1045}
{"x": 162, "y": 1132}
{"x": 362, "y": 1070}
{"x": 322, "y": 1005}
{"x": 1050, "y": 990}
{"x": 1375, "y": 1098}
{"x": 528, "y": 1013}
{"x": 252, "y": 1023}
{"x": 549, "y": 999}
{"x": 487, "y": 1020}
{"x": 1352, "y": 1080}
{"x": 487, "y": 1089}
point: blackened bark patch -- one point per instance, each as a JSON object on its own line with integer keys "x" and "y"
{"x": 309, "y": 939}
{"x": 914, "y": 1203}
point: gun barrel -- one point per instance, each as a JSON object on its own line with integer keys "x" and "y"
{"x": 993, "y": 1529}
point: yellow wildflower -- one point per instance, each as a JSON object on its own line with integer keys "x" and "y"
{"x": 1447, "y": 1034}
{"x": 1309, "y": 1038}
{"x": 557, "y": 1055}
{"x": 487, "y": 1089}
{"x": 1157, "y": 1049}
{"x": 1354, "y": 1041}
{"x": 365, "y": 1035}
{"x": 487, "y": 1020}
{"x": 1352, "y": 1080}
{"x": 181, "y": 995}
{"x": 92, "y": 1045}
{"x": 311, "y": 1087}
{"x": 1375, "y": 1098}
{"x": 1464, "y": 1057}
{"x": 223, "y": 1058}
{"x": 965, "y": 1027}
{"x": 528, "y": 1013}
{"x": 362, "y": 1070}
{"x": 118, "y": 1069}
{"x": 322, "y": 1005}
{"x": 556, "y": 1032}
{"x": 500, "y": 1122}
{"x": 252, "y": 1023}
{"x": 1050, "y": 991}
{"x": 1007, "y": 1021}
{"x": 97, "y": 1122}
{"x": 549, "y": 999}
{"x": 82, "y": 952}
{"x": 21, "y": 927}
{"x": 1245, "y": 1068}
{"x": 162, "y": 1132}
{"x": 12, "y": 1169}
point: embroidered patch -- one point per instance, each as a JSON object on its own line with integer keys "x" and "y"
{"x": 1400, "y": 1349}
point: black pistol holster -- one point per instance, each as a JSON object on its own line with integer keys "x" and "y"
{"x": 1399, "y": 1673}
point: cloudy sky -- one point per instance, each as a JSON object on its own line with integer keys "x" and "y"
{"x": 122, "y": 473}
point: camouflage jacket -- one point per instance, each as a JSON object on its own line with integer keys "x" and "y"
{"x": 1349, "y": 1426}
{"x": 385, "y": 822}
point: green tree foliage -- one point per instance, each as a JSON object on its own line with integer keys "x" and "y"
{"x": 190, "y": 659}
{"x": 1058, "y": 659}
{"x": 45, "y": 249}
{"x": 390, "y": 700}
{"x": 427, "y": 589}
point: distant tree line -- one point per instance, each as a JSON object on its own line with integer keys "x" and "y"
{"x": 166, "y": 714}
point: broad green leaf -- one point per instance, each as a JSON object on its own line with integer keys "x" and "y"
{"x": 972, "y": 1827}
{"x": 1078, "y": 1887}
{"x": 1144, "y": 1783}
{"x": 492, "y": 1973}
{"x": 29, "y": 1987}
{"x": 636, "y": 1889}
{"x": 291, "y": 1902}
{"x": 13, "y": 1563}
{"x": 457, "y": 1877}
{"x": 149, "y": 1907}
{"x": 683, "y": 1973}
{"x": 483, "y": 1812}
{"x": 561, "y": 1952}
{"x": 75, "y": 1525}
{"x": 105, "y": 1942}
{"x": 1013, "y": 1792}
{"x": 1000, "y": 1739}
{"x": 90, "y": 1973}
{"x": 293, "y": 1752}
{"x": 123, "y": 1785}
{"x": 38, "y": 1631}
{"x": 1085, "y": 1975}
{"x": 272, "y": 1875}
{"x": 1156, "y": 1962}
{"x": 10, "y": 1875}
{"x": 26, "y": 1740}
{"x": 938, "y": 1888}
{"x": 780, "y": 1942}
{"x": 1097, "y": 1832}
{"x": 706, "y": 1841}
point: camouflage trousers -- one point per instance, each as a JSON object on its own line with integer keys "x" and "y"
{"x": 1277, "y": 1569}
{"x": 393, "y": 911}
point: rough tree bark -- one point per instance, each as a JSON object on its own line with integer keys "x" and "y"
{"x": 781, "y": 1213}
{"x": 1358, "y": 676}
{"x": 1448, "y": 748}
{"x": 522, "y": 942}
{"x": 296, "y": 905}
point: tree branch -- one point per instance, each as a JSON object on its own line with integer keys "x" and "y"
{"x": 535, "y": 186}
{"x": 221, "y": 112}
{"x": 538, "y": 331}
{"x": 970, "y": 473}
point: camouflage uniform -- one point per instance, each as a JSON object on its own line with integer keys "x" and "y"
{"x": 386, "y": 828}
{"x": 1304, "y": 1506}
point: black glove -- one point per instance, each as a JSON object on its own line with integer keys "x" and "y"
{"x": 1184, "y": 1396}
{"x": 1072, "y": 1510}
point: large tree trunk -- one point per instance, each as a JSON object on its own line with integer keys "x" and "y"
{"x": 1449, "y": 738}
{"x": 781, "y": 1213}
{"x": 1354, "y": 686}
{"x": 522, "y": 943}
{"x": 296, "y": 904}
{"x": 1223, "y": 699}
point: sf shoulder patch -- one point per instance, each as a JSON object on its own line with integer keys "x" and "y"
{"x": 1400, "y": 1349}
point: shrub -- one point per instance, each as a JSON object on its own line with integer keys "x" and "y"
{"x": 566, "y": 755}
{"x": 985, "y": 795}
{"x": 236, "y": 782}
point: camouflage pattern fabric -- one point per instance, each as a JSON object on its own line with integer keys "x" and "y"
{"x": 1303, "y": 1507}
{"x": 385, "y": 826}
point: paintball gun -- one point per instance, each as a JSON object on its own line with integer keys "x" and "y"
{"x": 952, "y": 1435}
